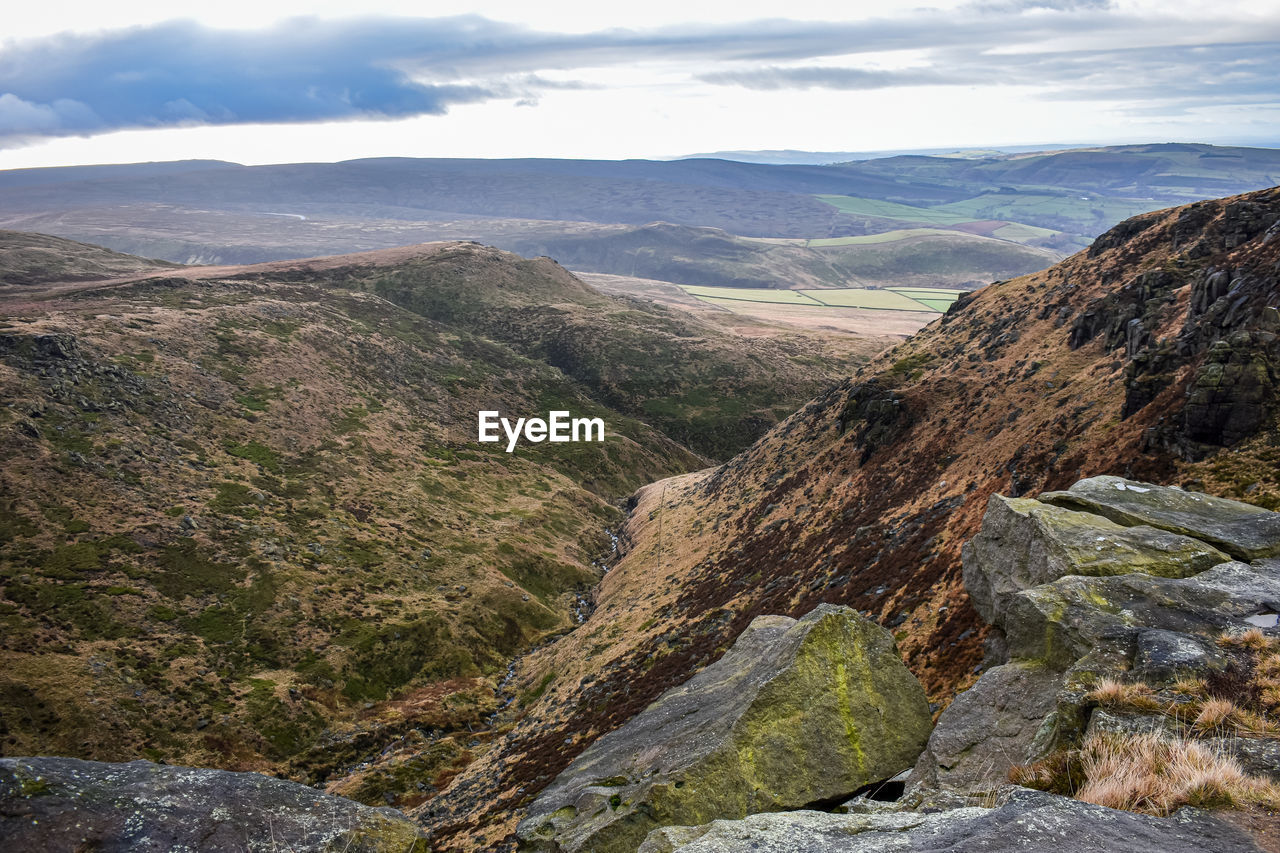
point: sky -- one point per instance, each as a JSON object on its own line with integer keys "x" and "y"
{"x": 293, "y": 81}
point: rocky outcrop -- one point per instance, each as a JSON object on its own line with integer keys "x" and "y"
{"x": 796, "y": 712}
{"x": 1242, "y": 530}
{"x": 1228, "y": 346}
{"x": 67, "y": 804}
{"x": 1110, "y": 578}
{"x": 875, "y": 415}
{"x": 1025, "y": 543}
{"x": 1028, "y": 820}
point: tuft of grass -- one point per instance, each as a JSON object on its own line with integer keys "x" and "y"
{"x": 1188, "y": 686}
{"x": 1253, "y": 639}
{"x": 1149, "y": 773}
{"x": 1120, "y": 694}
{"x": 1214, "y": 713}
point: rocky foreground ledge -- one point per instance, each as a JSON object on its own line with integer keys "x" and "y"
{"x": 1027, "y": 821}
{"x": 64, "y": 804}
{"x": 1117, "y": 609}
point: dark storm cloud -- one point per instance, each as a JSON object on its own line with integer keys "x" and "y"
{"x": 302, "y": 70}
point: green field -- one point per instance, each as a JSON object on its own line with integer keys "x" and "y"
{"x": 893, "y": 210}
{"x": 1025, "y": 205}
{"x": 1088, "y": 213}
{"x": 858, "y": 298}
{"x": 749, "y": 294}
{"x": 934, "y": 299}
{"x": 931, "y": 292}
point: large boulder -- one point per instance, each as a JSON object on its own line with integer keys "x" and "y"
{"x": 1028, "y": 820}
{"x": 796, "y": 713}
{"x": 68, "y": 804}
{"x": 1244, "y": 531}
{"x": 1024, "y": 543}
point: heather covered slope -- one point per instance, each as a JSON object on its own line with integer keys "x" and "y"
{"x": 1146, "y": 355}
{"x": 245, "y": 522}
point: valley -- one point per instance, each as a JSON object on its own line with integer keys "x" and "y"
{"x": 246, "y": 522}
{"x": 866, "y": 495}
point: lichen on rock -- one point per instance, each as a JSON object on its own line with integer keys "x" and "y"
{"x": 796, "y": 712}
{"x": 1111, "y": 579}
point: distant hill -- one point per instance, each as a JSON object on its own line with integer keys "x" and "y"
{"x": 822, "y": 158}
{"x": 128, "y": 171}
{"x": 207, "y": 211}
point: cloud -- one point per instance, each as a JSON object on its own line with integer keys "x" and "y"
{"x": 1170, "y": 78}
{"x": 181, "y": 73}
{"x": 772, "y": 78}
{"x": 309, "y": 70}
{"x": 1016, "y": 6}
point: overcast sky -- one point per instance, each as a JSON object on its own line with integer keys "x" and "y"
{"x": 295, "y": 81}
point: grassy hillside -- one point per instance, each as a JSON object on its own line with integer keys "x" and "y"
{"x": 1079, "y": 192}
{"x": 707, "y": 256}
{"x": 245, "y": 523}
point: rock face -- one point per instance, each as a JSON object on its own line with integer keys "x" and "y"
{"x": 1029, "y": 820}
{"x": 996, "y": 719}
{"x": 68, "y": 804}
{"x": 1110, "y": 578}
{"x": 795, "y": 713}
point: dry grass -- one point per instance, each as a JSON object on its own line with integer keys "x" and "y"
{"x": 1253, "y": 639}
{"x": 1243, "y": 701}
{"x": 1149, "y": 773}
{"x": 1214, "y": 713}
{"x": 1188, "y": 686}
{"x": 1121, "y": 694}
